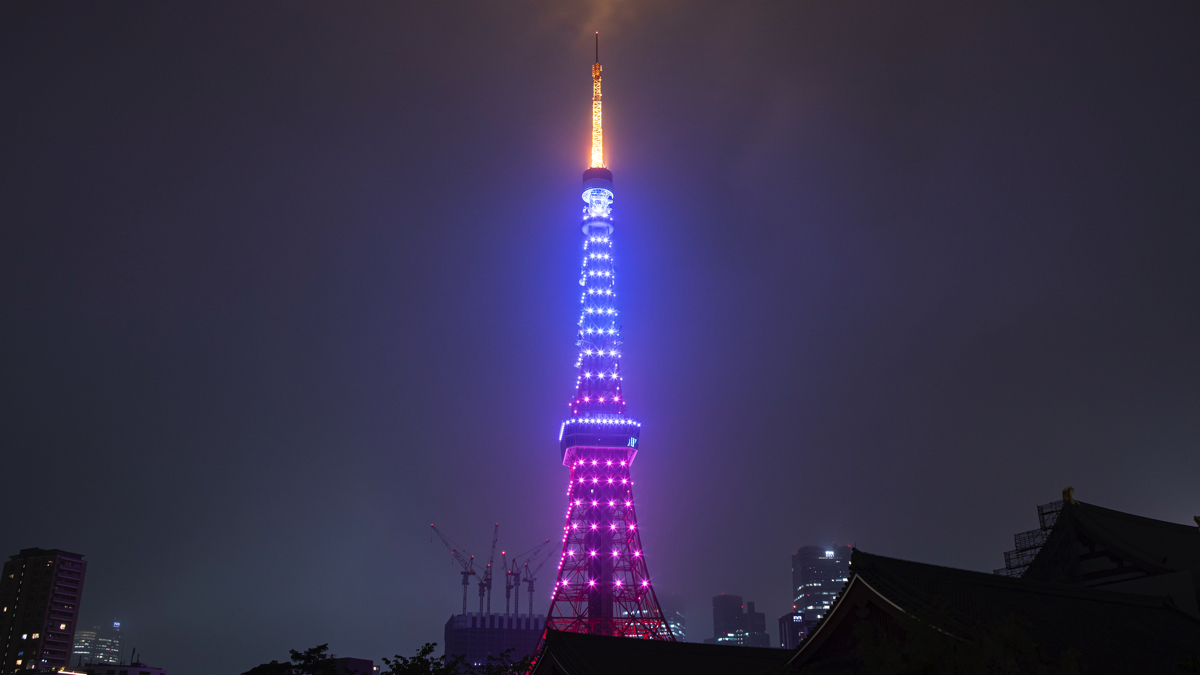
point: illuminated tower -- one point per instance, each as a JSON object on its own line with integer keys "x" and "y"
{"x": 603, "y": 586}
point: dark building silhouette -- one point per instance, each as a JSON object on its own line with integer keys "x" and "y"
{"x": 39, "y": 598}
{"x": 917, "y": 615}
{"x": 818, "y": 574}
{"x": 732, "y": 626}
{"x": 135, "y": 668}
{"x": 1083, "y": 544}
{"x": 791, "y": 630}
{"x": 566, "y": 653}
{"x": 727, "y": 615}
{"x": 478, "y": 636}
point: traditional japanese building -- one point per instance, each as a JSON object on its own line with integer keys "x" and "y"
{"x": 1087, "y": 545}
{"x": 1093, "y": 590}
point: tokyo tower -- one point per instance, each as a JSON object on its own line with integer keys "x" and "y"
{"x": 603, "y": 586}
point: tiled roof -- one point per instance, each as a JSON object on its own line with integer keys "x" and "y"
{"x": 1157, "y": 546}
{"x": 1113, "y": 632}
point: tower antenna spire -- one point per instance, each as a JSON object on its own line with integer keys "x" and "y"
{"x": 597, "y": 130}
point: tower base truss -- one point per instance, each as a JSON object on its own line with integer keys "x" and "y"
{"x": 603, "y": 585}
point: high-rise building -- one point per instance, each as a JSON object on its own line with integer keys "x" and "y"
{"x": 791, "y": 630}
{"x": 678, "y": 625}
{"x": 727, "y": 615}
{"x": 108, "y": 645}
{"x": 755, "y": 625}
{"x": 98, "y": 646}
{"x": 603, "y": 585}
{"x": 39, "y": 603}
{"x": 818, "y": 574}
{"x": 85, "y": 643}
{"x": 732, "y": 626}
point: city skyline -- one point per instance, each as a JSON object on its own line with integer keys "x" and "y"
{"x": 284, "y": 285}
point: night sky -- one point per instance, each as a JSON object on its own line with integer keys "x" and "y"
{"x": 281, "y": 284}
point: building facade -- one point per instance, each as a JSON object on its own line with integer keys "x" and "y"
{"x": 477, "y": 636}
{"x": 732, "y": 626}
{"x": 85, "y": 642}
{"x": 678, "y": 625}
{"x": 98, "y": 645}
{"x": 40, "y": 591}
{"x": 791, "y": 630}
{"x": 818, "y": 574}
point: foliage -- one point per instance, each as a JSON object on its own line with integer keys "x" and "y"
{"x": 423, "y": 664}
{"x": 313, "y": 661}
{"x": 318, "y": 661}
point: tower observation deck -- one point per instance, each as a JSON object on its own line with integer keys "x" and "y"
{"x": 603, "y": 585}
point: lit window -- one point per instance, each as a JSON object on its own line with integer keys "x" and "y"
{"x": 18, "y": 662}
{"x": 62, "y": 626}
{"x": 34, "y": 636}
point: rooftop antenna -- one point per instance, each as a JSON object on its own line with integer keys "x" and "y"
{"x": 597, "y": 46}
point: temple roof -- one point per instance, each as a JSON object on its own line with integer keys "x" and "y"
{"x": 1112, "y": 632}
{"x": 1156, "y": 546}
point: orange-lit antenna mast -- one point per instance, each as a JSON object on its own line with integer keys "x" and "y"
{"x": 597, "y": 132}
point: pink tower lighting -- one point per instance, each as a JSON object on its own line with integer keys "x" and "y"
{"x": 603, "y": 586}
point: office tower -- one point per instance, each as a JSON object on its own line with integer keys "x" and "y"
{"x": 755, "y": 625}
{"x": 603, "y": 585}
{"x": 678, "y": 625}
{"x": 791, "y": 630}
{"x": 732, "y": 626}
{"x": 727, "y": 616}
{"x": 39, "y": 603}
{"x": 85, "y": 643}
{"x": 108, "y": 645}
{"x": 818, "y": 574}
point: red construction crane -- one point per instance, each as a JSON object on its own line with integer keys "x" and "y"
{"x": 468, "y": 565}
{"x": 529, "y": 576}
{"x": 485, "y": 582}
{"x": 512, "y": 574}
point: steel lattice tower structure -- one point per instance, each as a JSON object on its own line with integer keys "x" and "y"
{"x": 603, "y": 586}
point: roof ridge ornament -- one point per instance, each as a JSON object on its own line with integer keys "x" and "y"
{"x": 1068, "y": 497}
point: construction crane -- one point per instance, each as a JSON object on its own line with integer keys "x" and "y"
{"x": 485, "y": 581}
{"x": 508, "y": 580}
{"x": 468, "y": 564}
{"x": 512, "y": 574}
{"x": 530, "y": 576}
